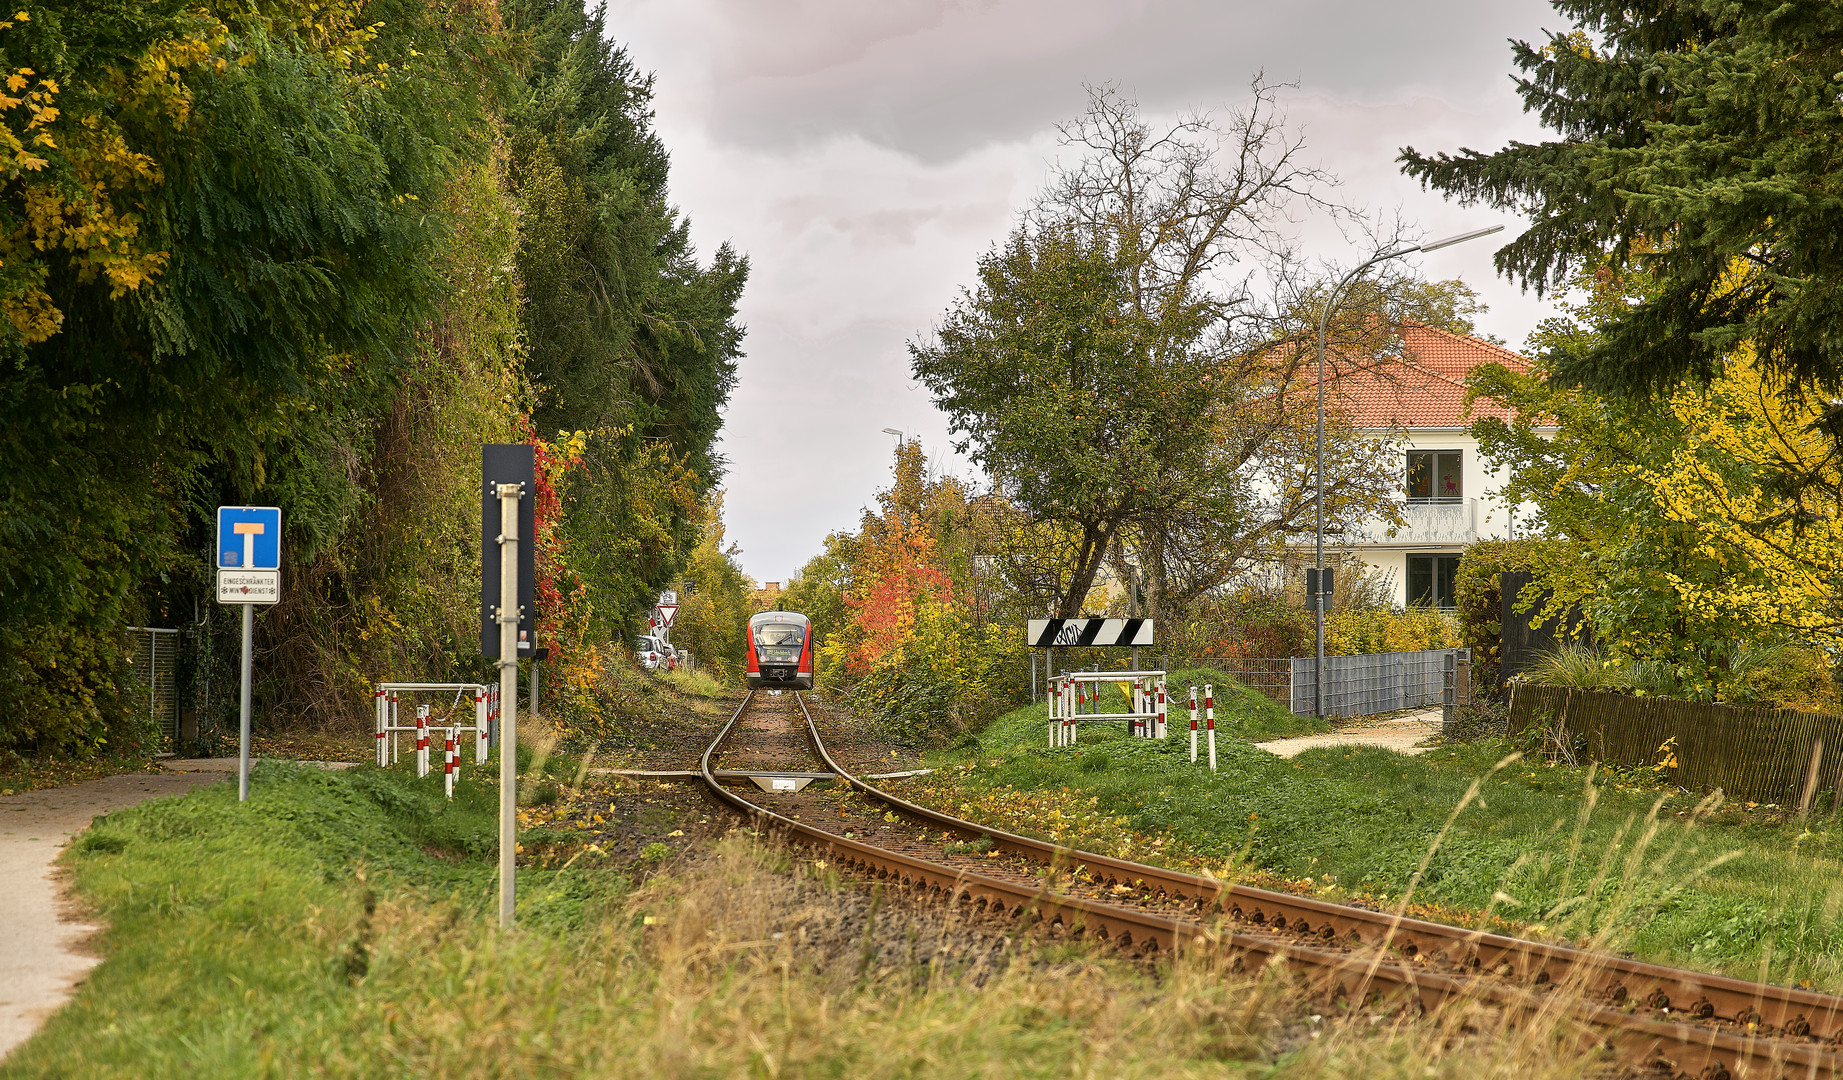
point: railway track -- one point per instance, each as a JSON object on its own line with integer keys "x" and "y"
{"x": 1667, "y": 1020}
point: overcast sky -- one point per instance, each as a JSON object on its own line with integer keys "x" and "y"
{"x": 864, "y": 153}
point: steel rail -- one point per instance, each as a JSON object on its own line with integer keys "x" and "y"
{"x": 992, "y": 894}
{"x": 1698, "y": 1049}
{"x": 1601, "y": 990}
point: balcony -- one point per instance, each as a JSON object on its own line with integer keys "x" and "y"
{"x": 1425, "y": 523}
{"x": 1439, "y": 521}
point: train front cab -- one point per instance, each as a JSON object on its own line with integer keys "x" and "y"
{"x": 780, "y": 651}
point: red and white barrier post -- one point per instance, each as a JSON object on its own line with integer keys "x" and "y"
{"x": 422, "y": 740}
{"x": 1209, "y": 717}
{"x": 450, "y": 762}
{"x": 1164, "y": 730}
{"x": 1193, "y": 725}
{"x": 379, "y": 710}
{"x": 480, "y": 732}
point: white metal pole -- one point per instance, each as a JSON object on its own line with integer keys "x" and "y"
{"x": 508, "y": 701}
{"x": 1068, "y": 706}
{"x": 243, "y": 709}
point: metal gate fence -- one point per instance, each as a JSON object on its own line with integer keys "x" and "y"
{"x": 1273, "y": 677}
{"x": 156, "y": 658}
{"x": 1373, "y": 683}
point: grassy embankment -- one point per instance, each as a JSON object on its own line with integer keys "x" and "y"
{"x": 1613, "y": 858}
{"x": 338, "y": 925}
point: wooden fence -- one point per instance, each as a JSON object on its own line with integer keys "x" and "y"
{"x": 1764, "y": 755}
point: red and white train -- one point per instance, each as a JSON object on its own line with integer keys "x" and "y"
{"x": 780, "y": 651}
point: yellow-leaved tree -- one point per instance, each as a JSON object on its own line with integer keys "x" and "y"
{"x": 1760, "y": 483}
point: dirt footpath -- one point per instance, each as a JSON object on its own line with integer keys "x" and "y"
{"x": 1400, "y": 734}
{"x": 42, "y": 958}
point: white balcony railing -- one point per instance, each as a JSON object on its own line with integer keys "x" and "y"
{"x": 1425, "y": 521}
{"x": 1448, "y": 521}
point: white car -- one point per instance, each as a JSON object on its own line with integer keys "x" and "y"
{"x": 652, "y": 653}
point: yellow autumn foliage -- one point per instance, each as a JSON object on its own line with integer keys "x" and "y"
{"x": 1746, "y": 429}
{"x": 1358, "y": 633}
{"x": 73, "y": 182}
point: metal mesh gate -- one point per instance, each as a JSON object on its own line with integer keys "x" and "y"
{"x": 1373, "y": 683}
{"x": 156, "y": 656}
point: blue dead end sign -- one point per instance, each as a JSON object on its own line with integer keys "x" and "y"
{"x": 250, "y": 537}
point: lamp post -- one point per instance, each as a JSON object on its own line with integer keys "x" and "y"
{"x": 1322, "y": 596}
{"x": 896, "y": 506}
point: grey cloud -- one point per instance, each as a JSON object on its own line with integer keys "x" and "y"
{"x": 934, "y": 78}
{"x": 864, "y": 153}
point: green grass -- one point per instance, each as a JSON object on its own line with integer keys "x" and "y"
{"x": 339, "y": 925}
{"x": 1535, "y": 847}
{"x": 235, "y": 929}
{"x": 698, "y": 683}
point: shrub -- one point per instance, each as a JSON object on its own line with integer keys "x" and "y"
{"x": 1480, "y": 603}
{"x": 1790, "y": 678}
{"x": 943, "y": 676}
{"x": 1259, "y": 624}
{"x": 1482, "y": 718}
{"x": 1356, "y": 633}
{"x": 1578, "y": 667}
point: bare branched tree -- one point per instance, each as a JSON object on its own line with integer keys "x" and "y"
{"x": 1128, "y": 369}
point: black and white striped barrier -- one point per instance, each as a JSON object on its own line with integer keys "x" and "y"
{"x": 1080, "y": 633}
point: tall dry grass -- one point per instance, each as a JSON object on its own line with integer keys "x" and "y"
{"x": 742, "y": 964}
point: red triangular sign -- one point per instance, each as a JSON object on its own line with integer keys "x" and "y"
{"x": 666, "y": 611}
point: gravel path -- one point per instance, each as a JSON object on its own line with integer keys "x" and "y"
{"x": 1400, "y": 734}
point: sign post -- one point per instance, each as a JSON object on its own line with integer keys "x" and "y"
{"x": 1318, "y": 582}
{"x": 249, "y": 573}
{"x": 507, "y": 514}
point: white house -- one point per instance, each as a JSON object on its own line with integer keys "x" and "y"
{"x": 1450, "y": 499}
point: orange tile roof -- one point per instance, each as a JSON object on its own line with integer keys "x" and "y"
{"x": 1425, "y": 386}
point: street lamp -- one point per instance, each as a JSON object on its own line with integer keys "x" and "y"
{"x": 898, "y": 507}
{"x": 1322, "y": 596}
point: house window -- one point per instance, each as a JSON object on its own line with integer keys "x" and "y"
{"x": 1430, "y": 580}
{"x": 1435, "y": 476}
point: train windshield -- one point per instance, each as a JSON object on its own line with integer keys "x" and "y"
{"x": 777, "y": 635}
